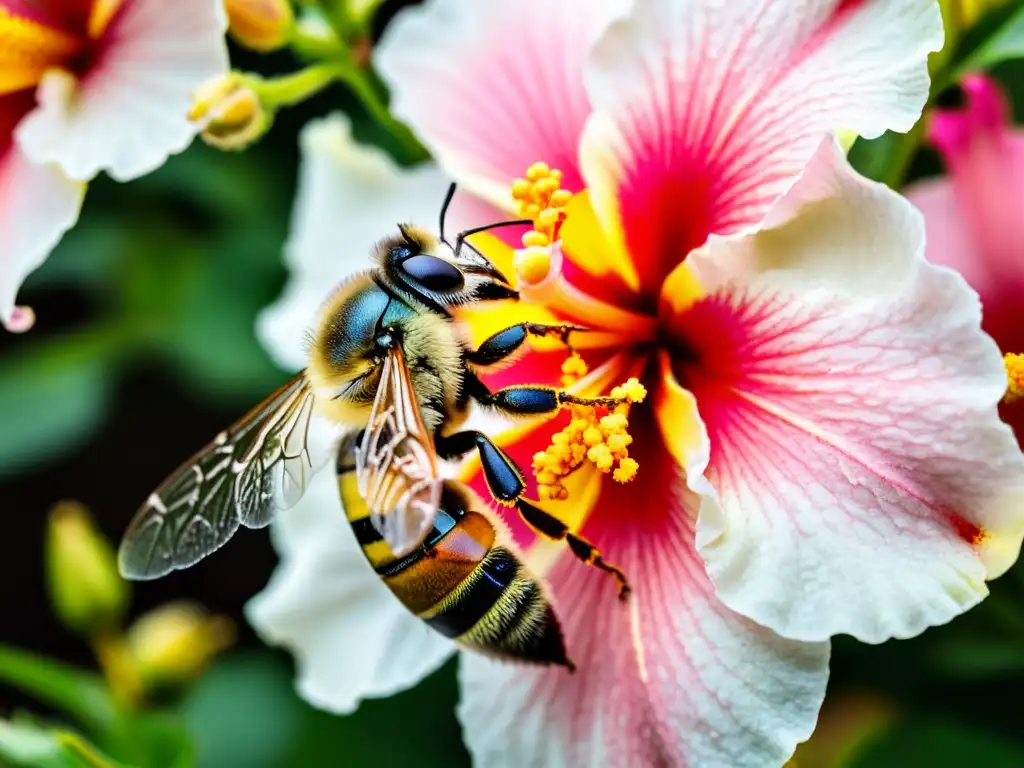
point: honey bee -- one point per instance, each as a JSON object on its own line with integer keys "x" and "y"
{"x": 389, "y": 382}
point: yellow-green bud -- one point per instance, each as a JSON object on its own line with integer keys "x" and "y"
{"x": 229, "y": 111}
{"x": 173, "y": 644}
{"x": 262, "y": 25}
{"x": 362, "y": 11}
{"x": 87, "y": 593}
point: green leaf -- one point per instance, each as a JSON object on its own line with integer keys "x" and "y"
{"x": 156, "y": 738}
{"x": 87, "y": 255}
{"x": 212, "y": 331}
{"x": 229, "y": 186}
{"x": 245, "y": 711}
{"x": 53, "y": 395}
{"x": 76, "y": 692}
{"x": 978, "y": 658}
{"x": 26, "y": 744}
{"x": 1005, "y": 42}
{"x": 935, "y": 743}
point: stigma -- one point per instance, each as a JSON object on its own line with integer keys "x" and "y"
{"x": 1014, "y": 377}
{"x": 594, "y": 434}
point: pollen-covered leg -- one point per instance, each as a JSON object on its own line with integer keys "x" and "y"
{"x": 506, "y": 342}
{"x": 504, "y": 479}
{"x": 550, "y": 526}
{"x": 536, "y": 400}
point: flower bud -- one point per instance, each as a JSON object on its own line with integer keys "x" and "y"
{"x": 174, "y": 643}
{"x": 262, "y": 25}
{"x": 229, "y": 111}
{"x": 362, "y": 11}
{"x": 86, "y": 591}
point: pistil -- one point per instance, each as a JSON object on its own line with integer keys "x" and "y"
{"x": 539, "y": 263}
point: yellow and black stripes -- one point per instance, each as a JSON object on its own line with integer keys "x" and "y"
{"x": 466, "y": 581}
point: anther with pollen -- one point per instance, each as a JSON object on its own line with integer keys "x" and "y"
{"x": 596, "y": 433}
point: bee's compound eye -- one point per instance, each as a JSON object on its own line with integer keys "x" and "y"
{"x": 434, "y": 274}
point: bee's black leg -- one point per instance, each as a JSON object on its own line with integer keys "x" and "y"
{"x": 530, "y": 399}
{"x": 505, "y": 343}
{"x": 550, "y": 526}
{"x": 504, "y": 479}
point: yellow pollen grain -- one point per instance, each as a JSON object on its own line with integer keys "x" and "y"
{"x": 597, "y": 434}
{"x": 1014, "y": 377}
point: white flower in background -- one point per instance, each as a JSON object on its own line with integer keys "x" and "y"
{"x": 686, "y": 120}
{"x": 89, "y": 86}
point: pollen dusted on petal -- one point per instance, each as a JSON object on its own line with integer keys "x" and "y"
{"x": 1014, "y": 377}
{"x": 593, "y": 434}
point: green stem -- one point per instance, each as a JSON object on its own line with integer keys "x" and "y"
{"x": 337, "y": 16}
{"x": 77, "y": 692}
{"x": 411, "y": 151}
{"x": 317, "y": 47}
{"x": 295, "y": 88}
{"x": 903, "y": 155}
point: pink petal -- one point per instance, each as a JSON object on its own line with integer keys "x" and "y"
{"x": 866, "y": 483}
{"x": 706, "y": 112}
{"x": 986, "y": 164}
{"x": 128, "y": 112}
{"x": 493, "y": 87}
{"x": 975, "y": 217}
{"x": 670, "y": 678}
{"x": 949, "y": 242}
{"x": 37, "y": 206}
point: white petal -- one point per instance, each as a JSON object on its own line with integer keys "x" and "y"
{"x": 705, "y": 112}
{"x": 672, "y": 677}
{"x": 350, "y": 196}
{"x": 492, "y": 87}
{"x": 128, "y": 113}
{"x": 38, "y": 204}
{"x": 351, "y": 637}
{"x": 867, "y": 484}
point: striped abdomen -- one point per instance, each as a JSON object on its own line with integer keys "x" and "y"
{"x": 467, "y": 581}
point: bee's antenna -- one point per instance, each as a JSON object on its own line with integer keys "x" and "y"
{"x": 444, "y": 209}
{"x": 461, "y": 237}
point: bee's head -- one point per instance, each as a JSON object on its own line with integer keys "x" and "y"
{"x": 429, "y": 269}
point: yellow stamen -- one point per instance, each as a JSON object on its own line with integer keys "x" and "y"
{"x": 1014, "y": 377}
{"x": 600, "y": 438}
{"x": 541, "y": 199}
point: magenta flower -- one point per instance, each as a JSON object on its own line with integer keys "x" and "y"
{"x": 975, "y": 215}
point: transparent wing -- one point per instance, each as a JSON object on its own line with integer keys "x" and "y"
{"x": 259, "y": 465}
{"x": 396, "y": 467}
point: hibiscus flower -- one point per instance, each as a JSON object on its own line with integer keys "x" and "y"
{"x": 975, "y": 215}
{"x": 89, "y": 86}
{"x": 820, "y": 452}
